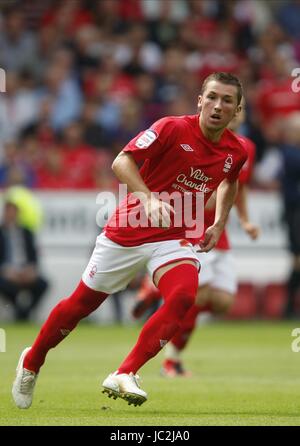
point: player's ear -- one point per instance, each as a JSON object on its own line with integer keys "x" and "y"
{"x": 237, "y": 111}
{"x": 199, "y": 105}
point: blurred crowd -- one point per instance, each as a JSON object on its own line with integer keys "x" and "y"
{"x": 85, "y": 76}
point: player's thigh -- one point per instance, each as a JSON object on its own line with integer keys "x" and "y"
{"x": 112, "y": 266}
{"x": 206, "y": 272}
{"x": 221, "y": 300}
{"x": 203, "y": 295}
{"x": 162, "y": 270}
{"x": 169, "y": 254}
{"x": 224, "y": 283}
{"x": 206, "y": 275}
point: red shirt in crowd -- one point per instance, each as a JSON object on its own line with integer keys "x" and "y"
{"x": 276, "y": 98}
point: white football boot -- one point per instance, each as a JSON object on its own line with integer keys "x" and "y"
{"x": 23, "y": 386}
{"x": 124, "y": 386}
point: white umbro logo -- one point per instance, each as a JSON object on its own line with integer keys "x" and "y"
{"x": 187, "y": 148}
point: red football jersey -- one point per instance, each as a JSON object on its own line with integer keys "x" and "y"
{"x": 244, "y": 178}
{"x": 175, "y": 156}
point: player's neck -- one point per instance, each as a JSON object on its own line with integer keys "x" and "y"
{"x": 211, "y": 134}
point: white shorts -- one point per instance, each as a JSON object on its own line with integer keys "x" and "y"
{"x": 112, "y": 266}
{"x": 218, "y": 270}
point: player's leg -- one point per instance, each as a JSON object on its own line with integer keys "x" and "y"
{"x": 224, "y": 283}
{"x": 107, "y": 256}
{"x": 172, "y": 365}
{"x": 147, "y": 296}
{"x": 221, "y": 301}
{"x": 216, "y": 296}
{"x": 178, "y": 284}
{"x": 62, "y": 320}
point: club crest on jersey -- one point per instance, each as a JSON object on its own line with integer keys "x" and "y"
{"x": 187, "y": 147}
{"x": 228, "y": 163}
{"x": 146, "y": 139}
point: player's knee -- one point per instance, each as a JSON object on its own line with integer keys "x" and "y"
{"x": 222, "y": 301}
{"x": 183, "y": 298}
{"x": 202, "y": 297}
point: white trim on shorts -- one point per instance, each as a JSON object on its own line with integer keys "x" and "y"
{"x": 112, "y": 266}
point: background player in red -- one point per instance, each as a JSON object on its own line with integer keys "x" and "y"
{"x": 217, "y": 277}
{"x": 185, "y": 154}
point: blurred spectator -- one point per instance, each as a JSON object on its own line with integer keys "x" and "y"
{"x": 30, "y": 214}
{"x": 87, "y": 50}
{"x": 67, "y": 17}
{"x": 146, "y": 91}
{"x": 78, "y": 157}
{"x": 275, "y": 98}
{"x": 18, "y": 47}
{"x": 131, "y": 121}
{"x": 50, "y": 174}
{"x": 95, "y": 134}
{"x": 138, "y": 52}
{"x": 19, "y": 265}
{"x": 14, "y": 168}
{"x": 289, "y": 18}
{"x": 290, "y": 181}
{"x": 66, "y": 100}
{"x": 18, "y": 106}
{"x": 174, "y": 11}
{"x": 41, "y": 129}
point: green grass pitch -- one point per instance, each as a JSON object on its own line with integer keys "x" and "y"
{"x": 243, "y": 374}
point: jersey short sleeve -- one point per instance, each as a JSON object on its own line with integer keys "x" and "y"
{"x": 234, "y": 174}
{"x": 152, "y": 142}
{"x": 247, "y": 169}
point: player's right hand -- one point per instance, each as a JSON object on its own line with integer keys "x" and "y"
{"x": 210, "y": 239}
{"x": 158, "y": 212}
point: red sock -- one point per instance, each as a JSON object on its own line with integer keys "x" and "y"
{"x": 178, "y": 286}
{"x": 62, "y": 319}
{"x": 185, "y": 331}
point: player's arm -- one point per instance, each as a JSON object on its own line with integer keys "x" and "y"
{"x": 242, "y": 210}
{"x": 225, "y": 198}
{"x": 127, "y": 171}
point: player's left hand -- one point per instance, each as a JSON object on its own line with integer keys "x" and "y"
{"x": 251, "y": 229}
{"x": 211, "y": 237}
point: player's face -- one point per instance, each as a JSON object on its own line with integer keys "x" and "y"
{"x": 218, "y": 105}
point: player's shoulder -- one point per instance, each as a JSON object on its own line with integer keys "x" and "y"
{"x": 179, "y": 122}
{"x": 248, "y": 144}
{"x": 235, "y": 143}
